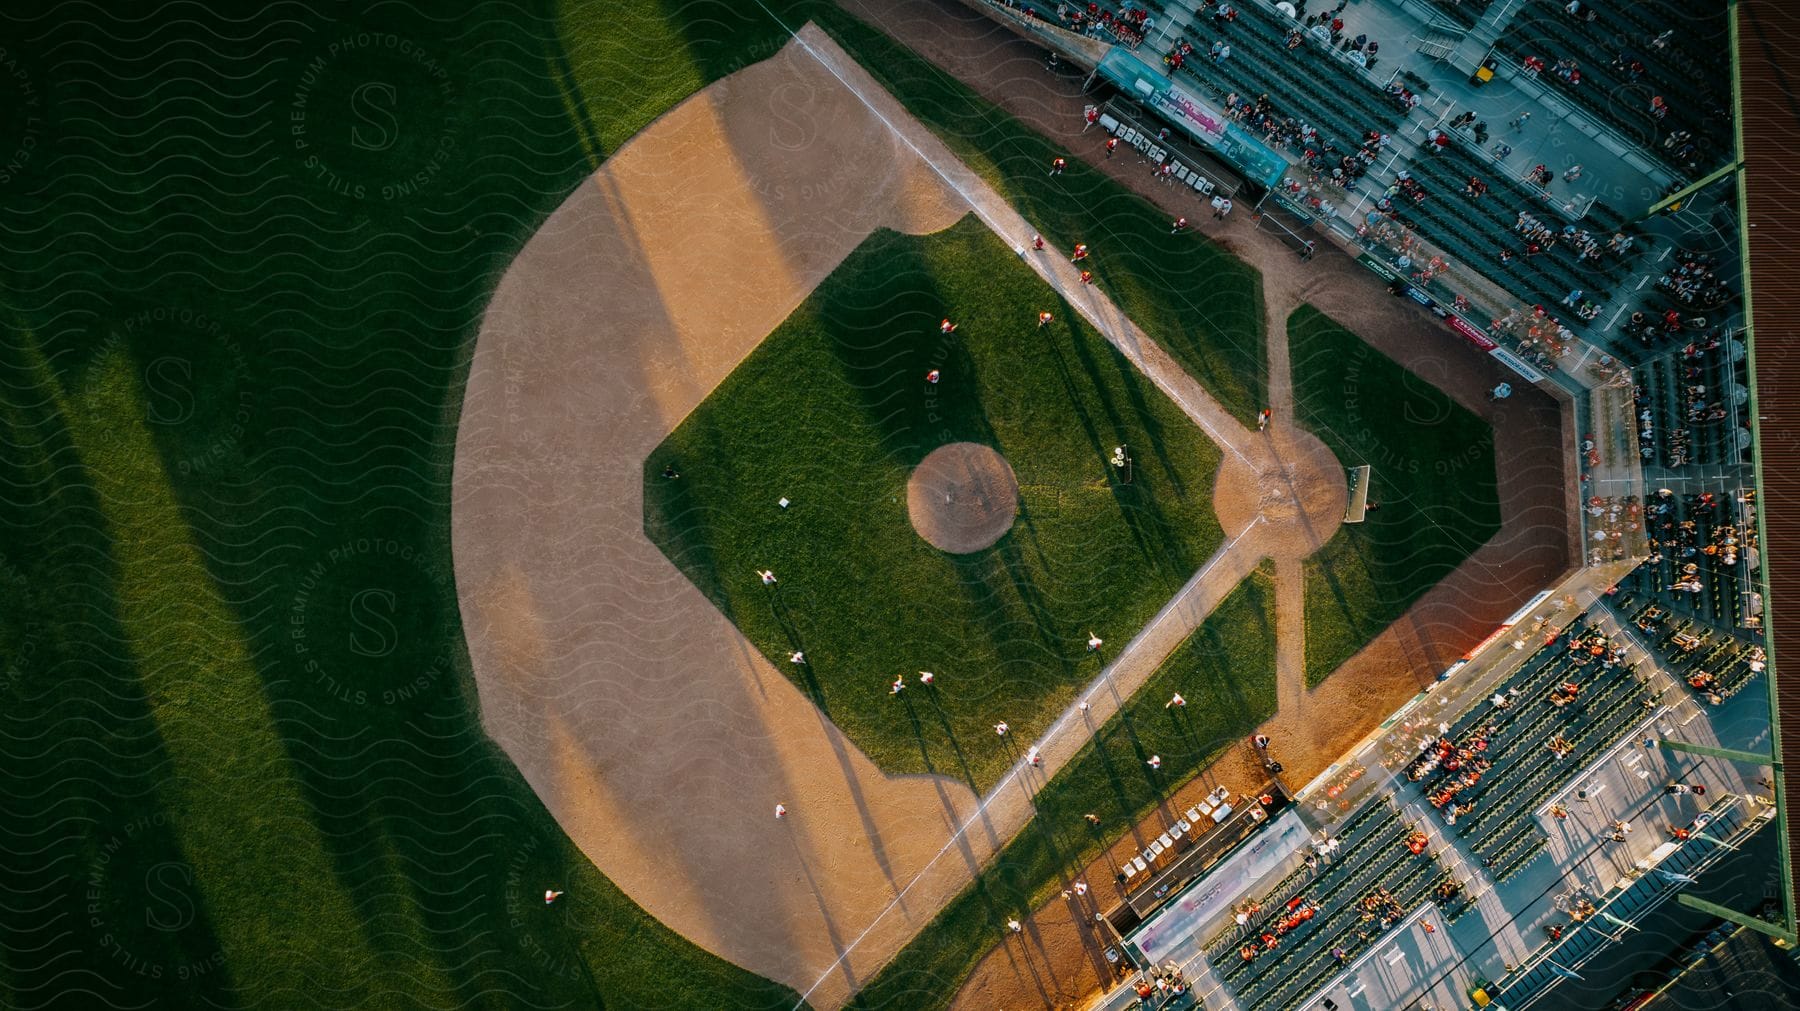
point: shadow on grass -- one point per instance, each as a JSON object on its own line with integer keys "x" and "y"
{"x": 962, "y": 761}
{"x": 147, "y": 929}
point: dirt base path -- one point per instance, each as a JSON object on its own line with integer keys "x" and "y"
{"x": 1057, "y": 961}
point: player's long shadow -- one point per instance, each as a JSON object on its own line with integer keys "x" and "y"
{"x": 809, "y": 681}
{"x": 1013, "y": 561}
{"x": 1143, "y": 755}
{"x": 581, "y": 119}
{"x": 1077, "y": 397}
{"x": 675, "y": 513}
{"x": 1350, "y": 614}
{"x": 1041, "y": 823}
{"x": 831, "y": 930}
{"x": 1120, "y": 793}
{"x": 1184, "y": 728}
{"x": 1141, "y": 414}
{"x": 1102, "y": 446}
{"x": 1150, "y": 527}
{"x": 968, "y": 774}
{"x": 950, "y": 811}
{"x": 841, "y": 750}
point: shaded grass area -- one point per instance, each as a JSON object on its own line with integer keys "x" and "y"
{"x": 1432, "y": 476}
{"x": 1225, "y": 670}
{"x": 832, "y": 412}
{"x": 1203, "y": 305}
{"x": 240, "y": 283}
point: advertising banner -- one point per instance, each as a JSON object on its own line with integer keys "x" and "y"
{"x": 1169, "y": 929}
{"x": 1517, "y": 364}
{"x": 1201, "y": 119}
{"x": 1469, "y": 333}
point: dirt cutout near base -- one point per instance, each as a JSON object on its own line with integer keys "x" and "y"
{"x": 962, "y": 497}
{"x": 1297, "y": 489}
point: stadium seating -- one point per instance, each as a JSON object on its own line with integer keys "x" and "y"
{"x": 1475, "y": 229}
{"x": 1305, "y": 84}
{"x": 1463, "y": 12}
{"x": 1686, "y": 70}
{"x": 1505, "y": 765}
{"x": 1373, "y": 859}
{"x": 1715, "y": 535}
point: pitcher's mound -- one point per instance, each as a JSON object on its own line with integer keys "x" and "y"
{"x": 962, "y": 497}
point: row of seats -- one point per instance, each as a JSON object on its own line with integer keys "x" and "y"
{"x": 1318, "y": 71}
{"x": 1715, "y": 536}
{"x": 1352, "y": 837}
{"x": 1690, "y": 71}
{"x": 1109, "y": 22}
{"x": 1464, "y": 12}
{"x": 1406, "y": 879}
{"x": 1520, "y": 743}
{"x": 1368, "y": 825}
{"x": 1304, "y": 83}
{"x": 1684, "y": 413}
{"x": 1375, "y": 858}
{"x": 1475, "y": 229}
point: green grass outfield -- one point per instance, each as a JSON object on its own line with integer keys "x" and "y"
{"x": 1203, "y": 305}
{"x": 1226, "y": 671}
{"x": 832, "y": 411}
{"x": 1433, "y": 476}
{"x": 243, "y": 266}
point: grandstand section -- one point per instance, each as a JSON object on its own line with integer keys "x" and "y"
{"x": 1506, "y": 166}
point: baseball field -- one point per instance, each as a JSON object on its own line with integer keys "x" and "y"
{"x": 464, "y": 473}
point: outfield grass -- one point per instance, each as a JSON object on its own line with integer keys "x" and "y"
{"x": 244, "y": 265}
{"x": 1203, "y": 305}
{"x": 832, "y": 412}
{"x": 1226, "y": 671}
{"x": 1433, "y": 477}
